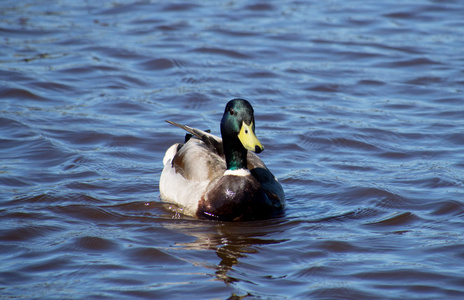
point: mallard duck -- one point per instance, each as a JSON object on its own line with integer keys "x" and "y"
{"x": 219, "y": 179}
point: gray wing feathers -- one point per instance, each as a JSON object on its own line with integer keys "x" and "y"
{"x": 210, "y": 140}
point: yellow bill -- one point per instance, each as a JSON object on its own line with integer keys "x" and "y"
{"x": 248, "y": 138}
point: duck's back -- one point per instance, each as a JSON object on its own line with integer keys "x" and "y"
{"x": 188, "y": 169}
{"x": 197, "y": 162}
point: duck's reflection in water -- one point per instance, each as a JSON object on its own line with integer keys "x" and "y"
{"x": 232, "y": 242}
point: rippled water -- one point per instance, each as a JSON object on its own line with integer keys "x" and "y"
{"x": 359, "y": 104}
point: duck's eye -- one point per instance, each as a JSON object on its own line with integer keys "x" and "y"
{"x": 246, "y": 131}
{"x": 231, "y": 111}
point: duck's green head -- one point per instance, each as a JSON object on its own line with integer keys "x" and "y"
{"x": 238, "y": 122}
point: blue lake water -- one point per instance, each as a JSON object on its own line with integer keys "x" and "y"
{"x": 359, "y": 104}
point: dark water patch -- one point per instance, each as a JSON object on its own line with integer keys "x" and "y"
{"x": 356, "y": 55}
{"x": 94, "y": 243}
{"x": 400, "y": 15}
{"x": 157, "y": 64}
{"x": 196, "y": 80}
{"x": 150, "y": 256}
{"x": 221, "y": 52}
{"x": 416, "y": 62}
{"x": 131, "y": 81}
{"x": 353, "y": 167}
{"x": 260, "y": 7}
{"x": 179, "y": 7}
{"x": 124, "y": 281}
{"x": 12, "y": 32}
{"x": 234, "y": 32}
{"x": 123, "y": 54}
{"x": 393, "y": 155}
{"x": 21, "y": 94}
{"x": 27, "y": 233}
{"x": 397, "y": 220}
{"x": 371, "y": 82}
{"x": 173, "y": 26}
{"x": 337, "y": 247}
{"x": 87, "y": 199}
{"x": 450, "y": 207}
{"x": 426, "y": 80}
{"x": 455, "y": 139}
{"x": 325, "y": 88}
{"x": 52, "y": 86}
{"x": 77, "y": 162}
{"x": 363, "y": 214}
{"x": 76, "y": 71}
{"x": 119, "y": 9}
{"x": 263, "y": 74}
{"x": 346, "y": 143}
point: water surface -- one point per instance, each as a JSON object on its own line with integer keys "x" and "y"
{"x": 359, "y": 105}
